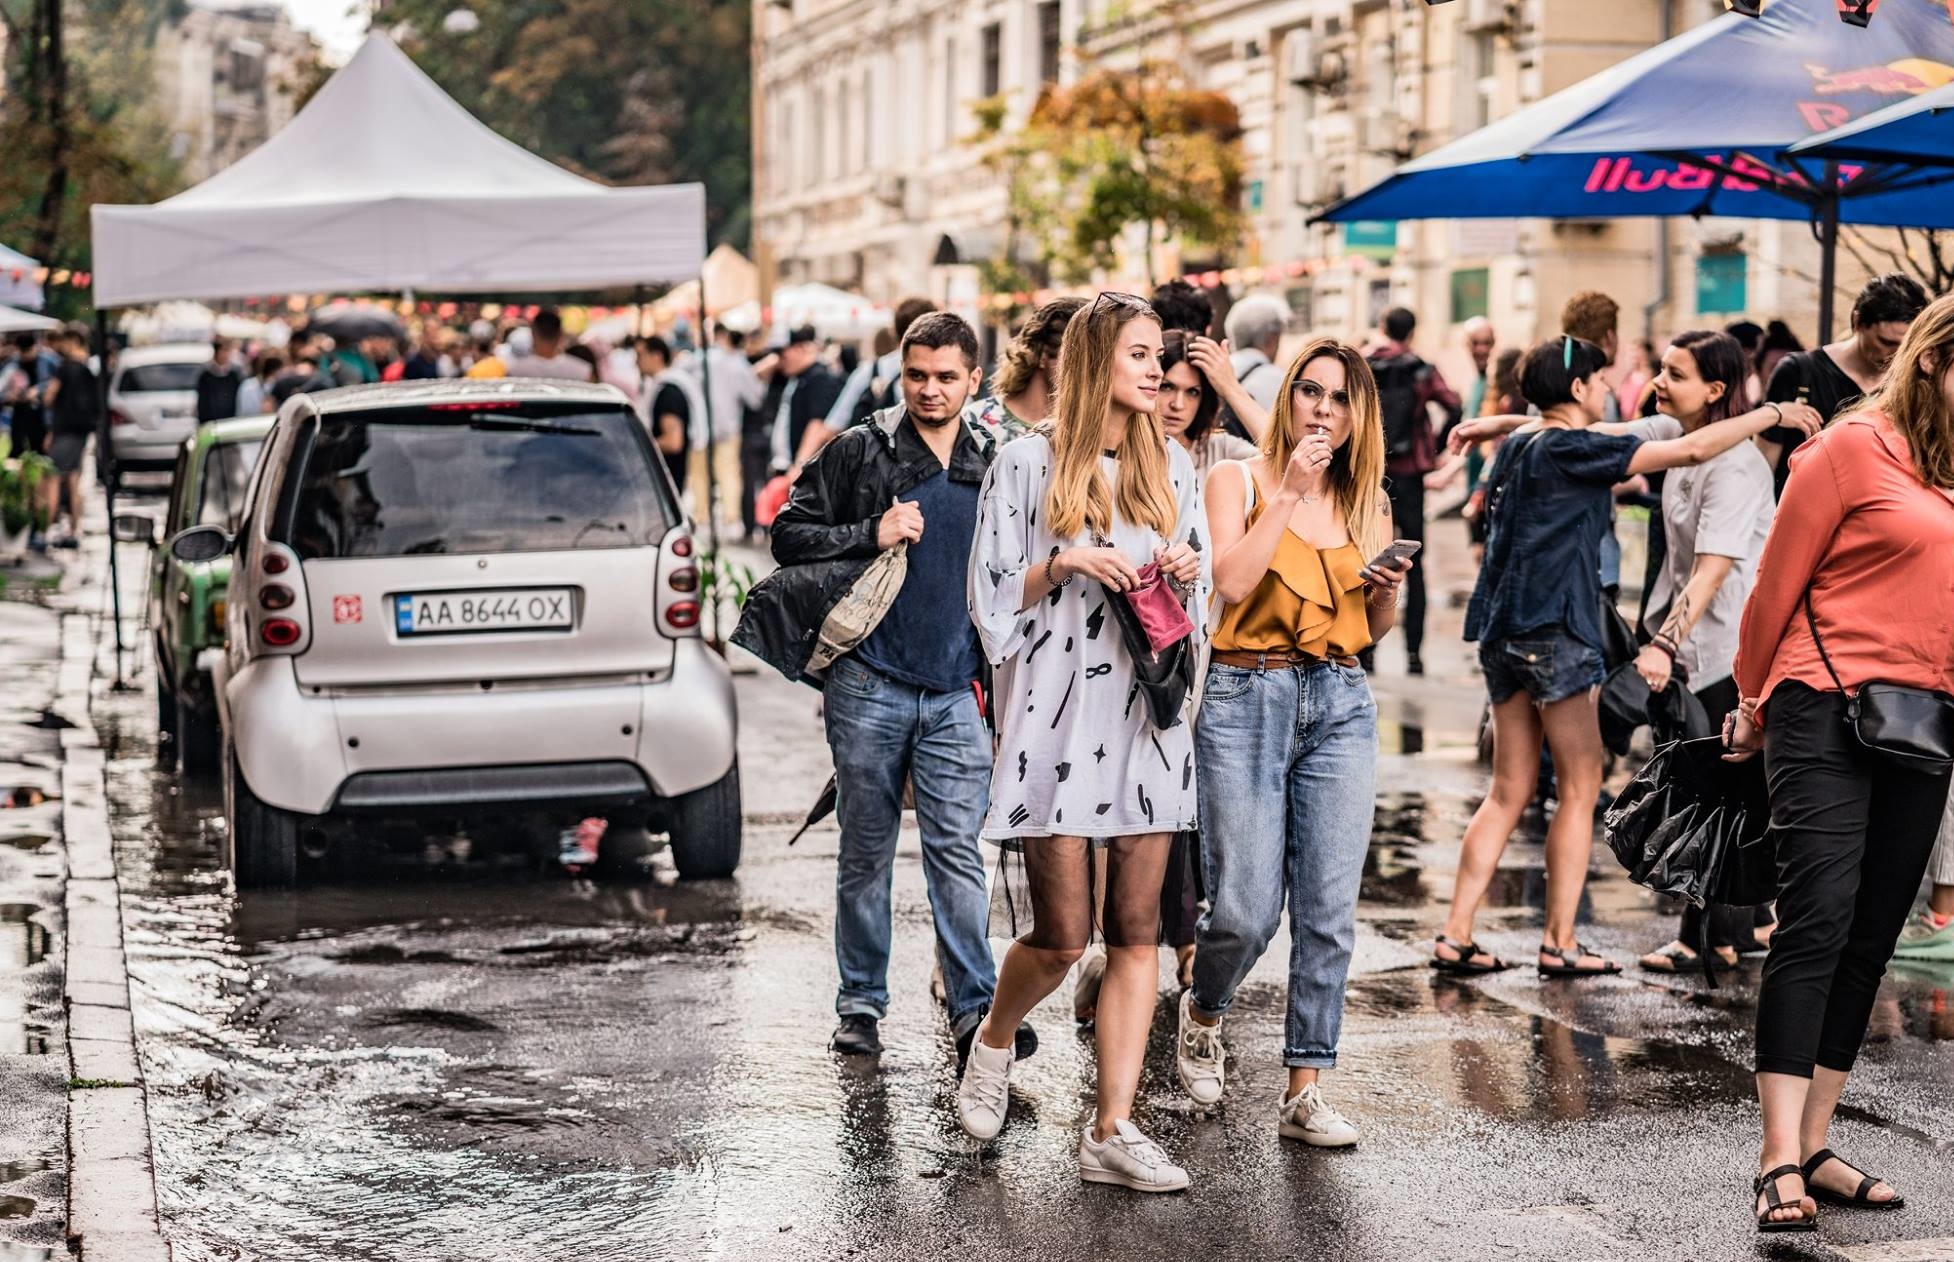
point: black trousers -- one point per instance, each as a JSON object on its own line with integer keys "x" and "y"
{"x": 1853, "y": 832}
{"x": 1407, "y": 495}
{"x": 755, "y": 469}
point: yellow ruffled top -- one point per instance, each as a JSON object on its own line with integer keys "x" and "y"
{"x": 1310, "y": 601}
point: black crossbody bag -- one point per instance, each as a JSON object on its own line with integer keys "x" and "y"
{"x": 1913, "y": 727}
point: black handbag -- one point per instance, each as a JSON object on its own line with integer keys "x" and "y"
{"x": 1693, "y": 825}
{"x": 1163, "y": 678}
{"x": 1913, "y": 727}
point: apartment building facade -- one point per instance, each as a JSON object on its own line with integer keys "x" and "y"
{"x": 865, "y": 176}
{"x": 227, "y": 77}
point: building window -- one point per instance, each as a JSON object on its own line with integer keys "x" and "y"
{"x": 1048, "y": 41}
{"x": 1722, "y": 283}
{"x": 993, "y": 59}
{"x": 1471, "y": 293}
{"x": 868, "y": 119}
{"x": 950, "y": 91}
{"x": 817, "y": 143}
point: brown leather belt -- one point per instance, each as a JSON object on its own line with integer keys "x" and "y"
{"x": 1278, "y": 660}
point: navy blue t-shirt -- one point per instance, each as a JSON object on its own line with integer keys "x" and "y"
{"x": 1549, "y": 506}
{"x": 926, "y": 639}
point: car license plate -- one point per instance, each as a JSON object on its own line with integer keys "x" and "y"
{"x": 450, "y": 613}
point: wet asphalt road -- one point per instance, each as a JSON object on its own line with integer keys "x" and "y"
{"x": 462, "y": 1063}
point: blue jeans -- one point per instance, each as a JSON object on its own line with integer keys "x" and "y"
{"x": 1547, "y": 664}
{"x": 1287, "y": 762}
{"x": 882, "y": 731}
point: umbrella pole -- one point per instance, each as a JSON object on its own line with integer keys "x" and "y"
{"x": 1828, "y": 252}
{"x": 105, "y": 455}
{"x": 712, "y": 438}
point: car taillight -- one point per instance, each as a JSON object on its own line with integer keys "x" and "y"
{"x": 682, "y": 546}
{"x": 277, "y": 563}
{"x": 280, "y": 633}
{"x": 685, "y": 580}
{"x": 275, "y": 596}
{"x": 682, "y": 615}
{"x": 217, "y": 608}
{"x": 118, "y": 417}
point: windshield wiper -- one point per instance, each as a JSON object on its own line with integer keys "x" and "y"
{"x": 502, "y": 424}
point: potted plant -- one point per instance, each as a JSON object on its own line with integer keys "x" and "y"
{"x": 21, "y": 510}
{"x": 722, "y": 579}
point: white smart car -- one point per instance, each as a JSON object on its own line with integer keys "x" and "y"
{"x": 469, "y": 601}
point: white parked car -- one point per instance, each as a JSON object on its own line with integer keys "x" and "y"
{"x": 472, "y": 601}
{"x": 153, "y": 402}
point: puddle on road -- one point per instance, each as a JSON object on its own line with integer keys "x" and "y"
{"x": 16, "y": 1207}
{"x": 24, "y": 943}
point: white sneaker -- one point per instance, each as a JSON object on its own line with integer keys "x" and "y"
{"x": 1085, "y": 992}
{"x": 985, "y": 1092}
{"x": 1309, "y": 1118}
{"x": 1198, "y": 1055}
{"x": 1128, "y": 1159}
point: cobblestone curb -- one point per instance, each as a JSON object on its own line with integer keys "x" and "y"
{"x": 112, "y": 1212}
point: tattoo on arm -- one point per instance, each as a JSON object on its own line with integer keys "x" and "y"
{"x": 1680, "y": 621}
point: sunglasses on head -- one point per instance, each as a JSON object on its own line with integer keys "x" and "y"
{"x": 1132, "y": 301}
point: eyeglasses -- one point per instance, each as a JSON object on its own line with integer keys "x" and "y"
{"x": 1133, "y": 301}
{"x": 1314, "y": 393}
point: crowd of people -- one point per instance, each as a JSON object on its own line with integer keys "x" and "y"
{"x": 1802, "y": 512}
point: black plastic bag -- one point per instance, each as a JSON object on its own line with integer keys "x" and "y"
{"x": 1626, "y": 703}
{"x": 1694, "y": 825}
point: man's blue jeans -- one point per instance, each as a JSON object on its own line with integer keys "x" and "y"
{"x": 1287, "y": 761}
{"x": 883, "y": 731}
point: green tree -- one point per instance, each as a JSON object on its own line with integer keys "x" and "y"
{"x": 623, "y": 93}
{"x": 78, "y": 123}
{"x": 1114, "y": 149}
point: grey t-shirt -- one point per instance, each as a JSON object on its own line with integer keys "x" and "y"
{"x": 1723, "y": 508}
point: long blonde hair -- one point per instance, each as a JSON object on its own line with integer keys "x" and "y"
{"x": 1912, "y": 399}
{"x": 1078, "y": 497}
{"x": 1357, "y": 469}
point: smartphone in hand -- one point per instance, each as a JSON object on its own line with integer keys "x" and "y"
{"x": 1398, "y": 550}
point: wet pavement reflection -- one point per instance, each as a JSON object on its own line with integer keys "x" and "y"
{"x": 484, "y": 1062}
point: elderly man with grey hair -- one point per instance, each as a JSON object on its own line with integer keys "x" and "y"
{"x": 1254, "y": 327}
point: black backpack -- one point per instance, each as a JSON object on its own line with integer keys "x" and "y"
{"x": 1398, "y": 379}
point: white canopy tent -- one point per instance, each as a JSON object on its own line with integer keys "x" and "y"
{"x": 383, "y": 183}
{"x": 834, "y": 313}
{"x": 18, "y": 288}
{"x": 13, "y": 320}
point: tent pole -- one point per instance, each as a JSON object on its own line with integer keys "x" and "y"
{"x": 712, "y": 438}
{"x": 1828, "y": 252}
{"x": 105, "y": 456}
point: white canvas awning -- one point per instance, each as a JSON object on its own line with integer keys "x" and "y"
{"x": 383, "y": 183}
{"x": 18, "y": 288}
{"x": 13, "y": 320}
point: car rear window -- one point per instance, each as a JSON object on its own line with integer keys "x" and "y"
{"x": 150, "y": 378}
{"x": 227, "y": 471}
{"x": 462, "y": 479}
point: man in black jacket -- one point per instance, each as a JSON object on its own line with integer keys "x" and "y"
{"x": 906, "y": 702}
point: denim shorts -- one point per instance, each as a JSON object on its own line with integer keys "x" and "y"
{"x": 1548, "y": 665}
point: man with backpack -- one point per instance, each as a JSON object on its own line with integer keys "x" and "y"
{"x": 1407, "y": 387}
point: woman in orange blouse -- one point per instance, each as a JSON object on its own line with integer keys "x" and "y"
{"x": 1286, "y": 741}
{"x": 1863, "y": 551}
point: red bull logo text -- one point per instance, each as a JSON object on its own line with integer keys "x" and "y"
{"x": 1737, "y": 174}
{"x": 1908, "y": 77}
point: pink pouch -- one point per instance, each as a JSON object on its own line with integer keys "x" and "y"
{"x": 1159, "y": 610}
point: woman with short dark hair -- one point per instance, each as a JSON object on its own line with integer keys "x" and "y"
{"x": 1536, "y": 614}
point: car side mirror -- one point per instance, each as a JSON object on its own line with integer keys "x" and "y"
{"x": 134, "y": 528}
{"x": 200, "y": 543}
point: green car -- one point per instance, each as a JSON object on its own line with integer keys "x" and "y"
{"x": 186, "y": 598}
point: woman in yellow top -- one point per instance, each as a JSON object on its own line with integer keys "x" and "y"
{"x": 1286, "y": 741}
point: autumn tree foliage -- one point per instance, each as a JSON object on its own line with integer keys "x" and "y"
{"x": 1120, "y": 154}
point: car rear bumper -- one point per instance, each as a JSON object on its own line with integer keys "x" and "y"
{"x": 156, "y": 448}
{"x": 359, "y": 750}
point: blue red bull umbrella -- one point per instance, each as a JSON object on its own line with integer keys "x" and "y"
{"x": 1917, "y": 132}
{"x": 1699, "y": 125}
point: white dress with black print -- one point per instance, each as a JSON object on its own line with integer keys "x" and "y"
{"x": 1078, "y": 755}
